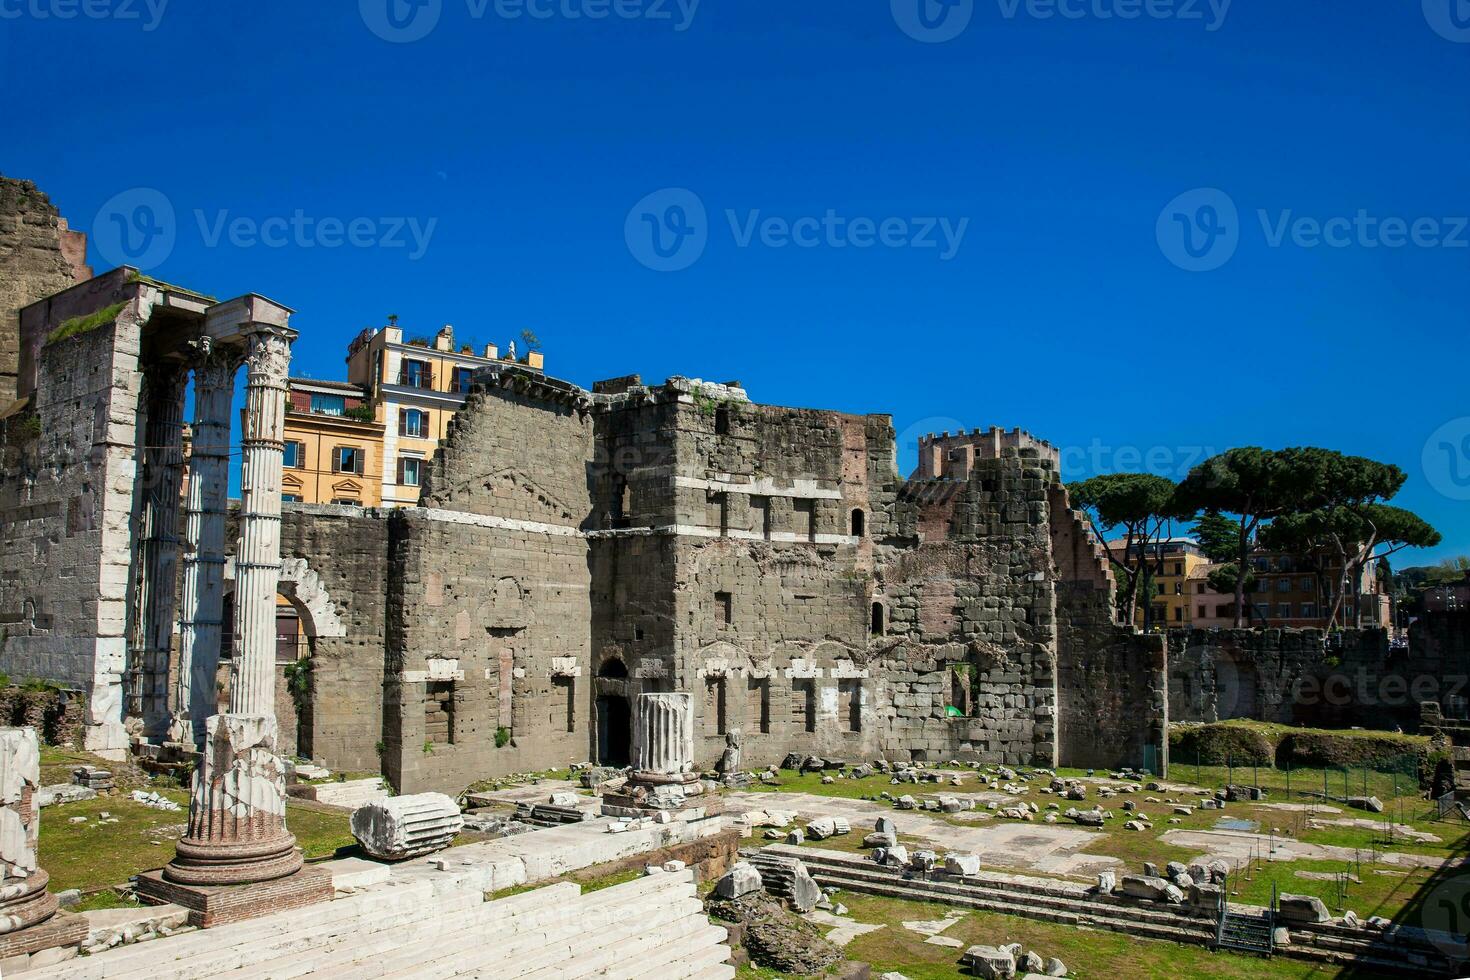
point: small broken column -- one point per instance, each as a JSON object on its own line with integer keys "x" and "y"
{"x": 24, "y": 900}
{"x": 663, "y": 761}
{"x": 402, "y": 827}
{"x": 202, "y": 609}
{"x": 237, "y": 810}
{"x": 663, "y": 741}
{"x": 29, "y": 920}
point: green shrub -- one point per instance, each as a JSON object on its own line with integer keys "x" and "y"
{"x": 502, "y": 737}
{"x": 1219, "y": 745}
{"x": 1356, "y": 750}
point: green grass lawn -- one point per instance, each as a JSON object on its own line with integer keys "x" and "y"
{"x": 94, "y": 856}
{"x": 1392, "y": 895}
{"x": 1087, "y": 953}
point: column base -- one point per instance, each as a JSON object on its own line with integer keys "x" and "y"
{"x": 63, "y": 931}
{"x": 237, "y": 809}
{"x": 25, "y": 902}
{"x": 216, "y": 905}
{"x": 233, "y": 862}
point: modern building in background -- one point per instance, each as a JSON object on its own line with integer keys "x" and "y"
{"x": 1175, "y": 564}
{"x": 368, "y": 441}
{"x": 334, "y": 445}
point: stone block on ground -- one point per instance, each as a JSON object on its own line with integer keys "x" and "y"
{"x": 1302, "y": 908}
{"x": 742, "y": 879}
{"x": 407, "y": 826}
{"x": 990, "y": 962}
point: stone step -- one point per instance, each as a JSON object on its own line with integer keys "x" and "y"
{"x": 279, "y": 935}
{"x": 594, "y": 937}
{"x": 405, "y": 942}
{"x": 660, "y": 947}
{"x": 720, "y": 971}
{"x": 398, "y": 903}
{"x": 1032, "y": 898}
{"x": 704, "y": 949}
{"x": 1121, "y": 917}
{"x": 471, "y": 948}
{"x": 552, "y": 947}
{"x": 918, "y": 890}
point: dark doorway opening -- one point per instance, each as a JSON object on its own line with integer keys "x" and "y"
{"x": 614, "y": 731}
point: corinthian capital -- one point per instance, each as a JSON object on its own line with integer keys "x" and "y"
{"x": 268, "y": 351}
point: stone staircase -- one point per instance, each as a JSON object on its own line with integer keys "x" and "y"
{"x": 1245, "y": 932}
{"x": 1073, "y": 904}
{"x": 652, "y": 927}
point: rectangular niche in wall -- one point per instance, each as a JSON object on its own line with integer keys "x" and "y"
{"x": 804, "y": 519}
{"x": 439, "y": 712}
{"x": 850, "y": 703}
{"x": 758, "y": 705}
{"x": 566, "y": 701}
{"x": 803, "y": 704}
{"x": 714, "y": 702}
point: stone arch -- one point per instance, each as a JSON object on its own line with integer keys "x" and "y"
{"x": 301, "y": 586}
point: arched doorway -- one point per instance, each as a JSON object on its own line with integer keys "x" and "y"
{"x": 614, "y": 731}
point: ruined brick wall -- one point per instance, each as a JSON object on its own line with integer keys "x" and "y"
{"x": 1112, "y": 682}
{"x": 66, "y": 502}
{"x": 970, "y": 619}
{"x": 39, "y": 256}
{"x": 347, "y": 549}
{"x": 488, "y": 600}
{"x": 1112, "y": 687}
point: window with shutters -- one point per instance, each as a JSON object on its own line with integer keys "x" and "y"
{"x": 347, "y": 459}
{"x": 410, "y": 471}
{"x": 413, "y": 423}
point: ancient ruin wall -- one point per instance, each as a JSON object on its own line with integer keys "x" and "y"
{"x": 39, "y": 256}
{"x": 969, "y": 620}
{"x": 347, "y": 549}
{"x": 66, "y": 501}
{"x": 488, "y": 603}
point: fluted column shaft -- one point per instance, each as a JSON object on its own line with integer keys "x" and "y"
{"x": 158, "y": 545}
{"x": 665, "y": 733}
{"x": 258, "y": 554}
{"x": 202, "y": 611}
{"x": 237, "y": 809}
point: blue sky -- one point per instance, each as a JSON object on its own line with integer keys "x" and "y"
{"x": 989, "y": 204}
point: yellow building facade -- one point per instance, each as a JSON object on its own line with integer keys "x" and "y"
{"x": 334, "y": 445}
{"x": 368, "y": 441}
{"x": 1175, "y": 563}
{"x": 416, "y": 385}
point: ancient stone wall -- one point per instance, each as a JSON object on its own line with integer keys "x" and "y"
{"x": 39, "y": 256}
{"x": 347, "y": 550}
{"x": 1113, "y": 704}
{"x": 66, "y": 503}
{"x": 488, "y": 600}
{"x": 968, "y": 638}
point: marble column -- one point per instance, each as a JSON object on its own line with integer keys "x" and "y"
{"x": 24, "y": 900}
{"x": 237, "y": 812}
{"x": 204, "y": 533}
{"x": 663, "y": 738}
{"x": 158, "y": 544}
